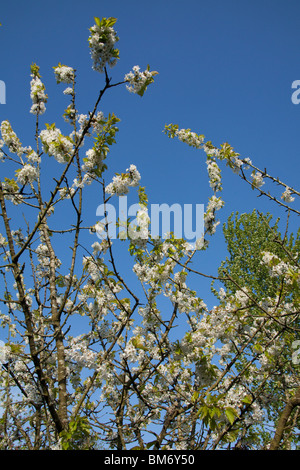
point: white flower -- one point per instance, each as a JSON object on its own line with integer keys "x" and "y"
{"x": 214, "y": 203}
{"x": 141, "y": 231}
{"x": 55, "y": 144}
{"x": 214, "y": 173}
{"x": 222, "y": 293}
{"x": 2, "y": 239}
{"x": 64, "y": 74}
{"x": 68, "y": 91}
{"x": 120, "y": 183}
{"x": 248, "y": 162}
{"x": 79, "y": 353}
{"x": 86, "y": 180}
{"x": 5, "y": 353}
{"x": 96, "y": 248}
{"x": 287, "y": 196}
{"x": 32, "y": 156}
{"x": 98, "y": 228}
{"x": 138, "y": 81}
{"x": 242, "y": 297}
{"x": 102, "y": 41}
{"x": 10, "y": 138}
{"x": 190, "y": 138}
{"x": 257, "y": 179}
{"x": 38, "y": 95}
{"x": 1, "y": 153}
{"x": 201, "y": 243}
{"x": 27, "y": 174}
{"x": 267, "y": 257}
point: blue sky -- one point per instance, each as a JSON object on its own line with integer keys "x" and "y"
{"x": 225, "y": 70}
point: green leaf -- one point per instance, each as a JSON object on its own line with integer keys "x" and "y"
{"x": 138, "y": 343}
{"x": 231, "y": 414}
{"x": 247, "y": 400}
{"x": 150, "y": 444}
{"x": 97, "y": 21}
{"x": 111, "y": 21}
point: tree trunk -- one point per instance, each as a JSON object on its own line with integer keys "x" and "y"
{"x": 291, "y": 404}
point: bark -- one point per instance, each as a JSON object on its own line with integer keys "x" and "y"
{"x": 17, "y": 273}
{"x": 59, "y": 337}
{"x": 291, "y": 404}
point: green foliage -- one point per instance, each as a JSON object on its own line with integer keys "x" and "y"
{"x": 34, "y": 68}
{"x": 247, "y": 236}
{"x": 105, "y": 22}
{"x": 76, "y": 437}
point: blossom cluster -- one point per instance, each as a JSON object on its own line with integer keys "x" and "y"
{"x": 43, "y": 256}
{"x": 10, "y": 138}
{"x": 78, "y": 354}
{"x": 105, "y": 129}
{"x": 31, "y": 155}
{"x": 257, "y": 179}
{"x": 189, "y": 137}
{"x": 93, "y": 157}
{"x": 121, "y": 183}
{"x": 139, "y": 81}
{"x": 139, "y": 233}
{"x": 64, "y": 74}
{"x": 27, "y": 174}
{"x": 287, "y": 195}
{"x": 96, "y": 123}
{"x": 38, "y": 95}
{"x": 278, "y": 267}
{"x": 21, "y": 374}
{"x": 154, "y": 275}
{"x": 214, "y": 173}
{"x": 185, "y": 298}
{"x": 56, "y": 144}
{"x": 102, "y": 44}
{"x": 214, "y": 204}
{"x": 1, "y": 151}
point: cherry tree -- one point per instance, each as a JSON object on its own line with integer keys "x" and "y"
{"x": 130, "y": 379}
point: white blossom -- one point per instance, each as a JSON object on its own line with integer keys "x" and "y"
{"x": 138, "y": 81}
{"x": 10, "y": 138}
{"x": 257, "y": 179}
{"x": 102, "y": 41}
{"x": 27, "y": 174}
{"x": 287, "y": 195}
{"x": 190, "y": 138}
{"x": 55, "y": 144}
{"x": 214, "y": 173}
{"x": 121, "y": 183}
{"x": 64, "y": 74}
{"x": 68, "y": 91}
{"x": 38, "y": 95}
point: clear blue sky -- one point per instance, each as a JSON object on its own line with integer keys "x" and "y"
{"x": 225, "y": 70}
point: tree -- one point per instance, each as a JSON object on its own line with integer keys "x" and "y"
{"x": 247, "y": 236}
{"x": 130, "y": 379}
